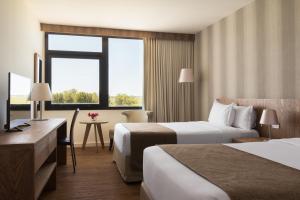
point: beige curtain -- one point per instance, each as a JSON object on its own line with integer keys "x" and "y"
{"x": 169, "y": 100}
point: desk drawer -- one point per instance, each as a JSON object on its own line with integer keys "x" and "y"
{"x": 41, "y": 152}
{"x": 52, "y": 141}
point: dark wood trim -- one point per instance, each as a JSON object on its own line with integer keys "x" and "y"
{"x": 87, "y": 107}
{"x": 81, "y": 30}
{"x": 104, "y": 93}
{"x": 19, "y": 107}
{"x": 75, "y": 54}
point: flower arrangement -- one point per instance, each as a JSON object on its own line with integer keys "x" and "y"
{"x": 93, "y": 115}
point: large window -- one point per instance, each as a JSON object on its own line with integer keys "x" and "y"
{"x": 125, "y": 72}
{"x": 81, "y": 85}
{"x": 92, "y": 72}
{"x": 75, "y": 43}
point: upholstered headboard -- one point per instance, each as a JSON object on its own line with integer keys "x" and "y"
{"x": 288, "y": 112}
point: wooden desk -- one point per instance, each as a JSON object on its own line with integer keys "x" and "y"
{"x": 28, "y": 159}
{"x": 97, "y": 125}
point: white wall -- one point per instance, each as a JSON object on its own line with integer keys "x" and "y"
{"x": 20, "y": 37}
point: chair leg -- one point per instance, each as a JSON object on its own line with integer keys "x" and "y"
{"x": 73, "y": 159}
{"x": 110, "y": 144}
{"x": 74, "y": 152}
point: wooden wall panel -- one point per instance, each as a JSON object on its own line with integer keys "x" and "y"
{"x": 253, "y": 53}
{"x": 288, "y": 112}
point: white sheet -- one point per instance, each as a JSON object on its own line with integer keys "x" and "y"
{"x": 172, "y": 180}
{"x": 188, "y": 133}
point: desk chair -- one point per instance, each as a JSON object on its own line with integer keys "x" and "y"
{"x": 70, "y": 141}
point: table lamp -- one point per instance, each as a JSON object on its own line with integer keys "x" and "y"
{"x": 186, "y": 75}
{"x": 40, "y": 92}
{"x": 269, "y": 117}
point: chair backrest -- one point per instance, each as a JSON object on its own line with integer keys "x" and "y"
{"x": 73, "y": 124}
{"x": 135, "y": 116}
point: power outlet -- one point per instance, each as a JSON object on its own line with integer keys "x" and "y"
{"x": 276, "y": 126}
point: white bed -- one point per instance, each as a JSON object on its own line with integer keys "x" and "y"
{"x": 200, "y": 132}
{"x": 218, "y": 129}
{"x": 172, "y": 180}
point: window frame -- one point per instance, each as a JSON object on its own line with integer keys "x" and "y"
{"x": 103, "y": 74}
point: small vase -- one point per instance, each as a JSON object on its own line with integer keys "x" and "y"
{"x": 94, "y": 119}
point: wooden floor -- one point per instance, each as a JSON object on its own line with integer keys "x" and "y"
{"x": 96, "y": 178}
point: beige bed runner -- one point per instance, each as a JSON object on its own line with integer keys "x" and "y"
{"x": 143, "y": 135}
{"x": 241, "y": 175}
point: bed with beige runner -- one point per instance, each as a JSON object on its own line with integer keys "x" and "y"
{"x": 262, "y": 170}
{"x": 203, "y": 132}
{"x": 131, "y": 139}
{"x": 143, "y": 135}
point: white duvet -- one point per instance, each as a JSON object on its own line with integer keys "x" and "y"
{"x": 200, "y": 132}
{"x": 172, "y": 180}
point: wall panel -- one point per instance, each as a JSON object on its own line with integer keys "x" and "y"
{"x": 253, "y": 53}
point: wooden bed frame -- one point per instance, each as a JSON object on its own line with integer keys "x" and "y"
{"x": 288, "y": 112}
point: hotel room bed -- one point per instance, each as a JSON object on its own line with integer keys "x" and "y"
{"x": 172, "y": 180}
{"x": 200, "y": 132}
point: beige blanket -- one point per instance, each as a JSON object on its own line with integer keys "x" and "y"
{"x": 241, "y": 175}
{"x": 143, "y": 135}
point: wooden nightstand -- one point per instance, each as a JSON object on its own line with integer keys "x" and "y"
{"x": 242, "y": 140}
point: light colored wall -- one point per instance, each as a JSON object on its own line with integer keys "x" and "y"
{"x": 112, "y": 116}
{"x": 19, "y": 39}
{"x": 254, "y": 53}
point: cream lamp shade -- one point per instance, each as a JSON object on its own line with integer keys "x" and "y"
{"x": 269, "y": 117}
{"x": 186, "y": 75}
{"x": 40, "y": 92}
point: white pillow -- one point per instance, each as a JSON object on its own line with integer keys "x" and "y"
{"x": 221, "y": 114}
{"x": 245, "y": 117}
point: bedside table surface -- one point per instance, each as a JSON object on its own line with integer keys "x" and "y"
{"x": 242, "y": 140}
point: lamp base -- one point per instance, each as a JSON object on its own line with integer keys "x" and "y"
{"x": 269, "y": 130}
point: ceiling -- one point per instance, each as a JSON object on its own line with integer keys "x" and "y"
{"x": 178, "y": 16}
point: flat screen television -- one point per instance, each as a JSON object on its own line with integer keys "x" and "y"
{"x": 18, "y": 104}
